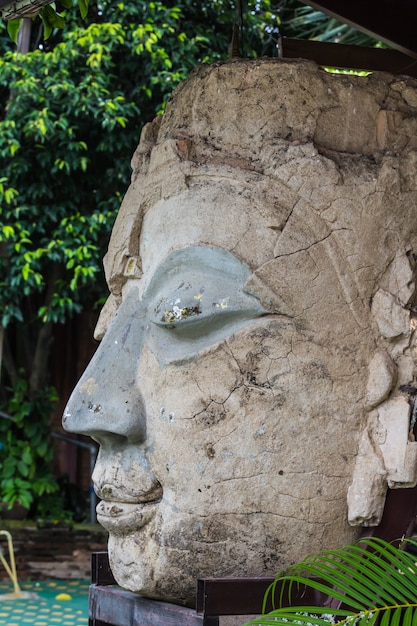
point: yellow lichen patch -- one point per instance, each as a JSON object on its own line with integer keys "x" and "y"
{"x": 89, "y": 386}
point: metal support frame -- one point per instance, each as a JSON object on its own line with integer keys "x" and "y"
{"x": 10, "y": 566}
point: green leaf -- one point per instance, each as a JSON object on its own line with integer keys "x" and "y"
{"x": 8, "y": 231}
{"x": 56, "y": 20}
{"x": 13, "y": 27}
{"x": 23, "y": 469}
{"x": 25, "y": 271}
{"x": 25, "y": 499}
{"x": 42, "y": 449}
{"x": 83, "y": 4}
{"x": 47, "y": 26}
{"x": 51, "y": 19}
{"x": 27, "y": 456}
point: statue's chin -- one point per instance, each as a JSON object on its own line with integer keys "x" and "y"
{"x": 138, "y": 565}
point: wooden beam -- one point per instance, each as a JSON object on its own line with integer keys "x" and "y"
{"x": 244, "y": 596}
{"x": 399, "y": 518}
{"x": 117, "y": 607}
{"x": 344, "y": 56}
{"x": 16, "y": 9}
{"x": 101, "y": 573}
{"x": 391, "y": 21}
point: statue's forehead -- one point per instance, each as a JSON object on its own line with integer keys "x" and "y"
{"x": 210, "y": 213}
{"x": 217, "y": 207}
{"x": 252, "y": 179}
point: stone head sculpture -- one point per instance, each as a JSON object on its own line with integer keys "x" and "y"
{"x": 251, "y": 393}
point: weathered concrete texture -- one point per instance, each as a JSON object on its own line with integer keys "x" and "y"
{"x": 266, "y": 381}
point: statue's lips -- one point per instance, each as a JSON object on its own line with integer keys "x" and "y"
{"x": 119, "y": 517}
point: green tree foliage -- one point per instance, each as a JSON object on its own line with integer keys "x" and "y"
{"x": 26, "y": 453}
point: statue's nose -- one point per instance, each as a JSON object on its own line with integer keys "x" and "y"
{"x": 107, "y": 399}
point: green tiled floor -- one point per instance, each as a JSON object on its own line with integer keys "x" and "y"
{"x": 46, "y": 609}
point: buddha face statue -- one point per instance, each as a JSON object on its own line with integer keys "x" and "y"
{"x": 248, "y": 391}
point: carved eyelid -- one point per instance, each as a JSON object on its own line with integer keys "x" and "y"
{"x": 186, "y": 326}
{"x": 187, "y": 300}
{"x": 202, "y": 305}
{"x": 196, "y": 283}
{"x": 196, "y": 299}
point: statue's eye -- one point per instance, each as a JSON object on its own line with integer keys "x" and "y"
{"x": 196, "y": 299}
{"x": 194, "y": 308}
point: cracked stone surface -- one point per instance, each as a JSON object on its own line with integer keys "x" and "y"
{"x": 253, "y": 391}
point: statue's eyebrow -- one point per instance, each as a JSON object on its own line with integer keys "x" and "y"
{"x": 207, "y": 261}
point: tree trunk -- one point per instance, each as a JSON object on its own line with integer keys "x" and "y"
{"x": 23, "y": 40}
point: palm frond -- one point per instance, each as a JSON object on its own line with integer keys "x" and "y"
{"x": 371, "y": 581}
{"x": 305, "y": 22}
